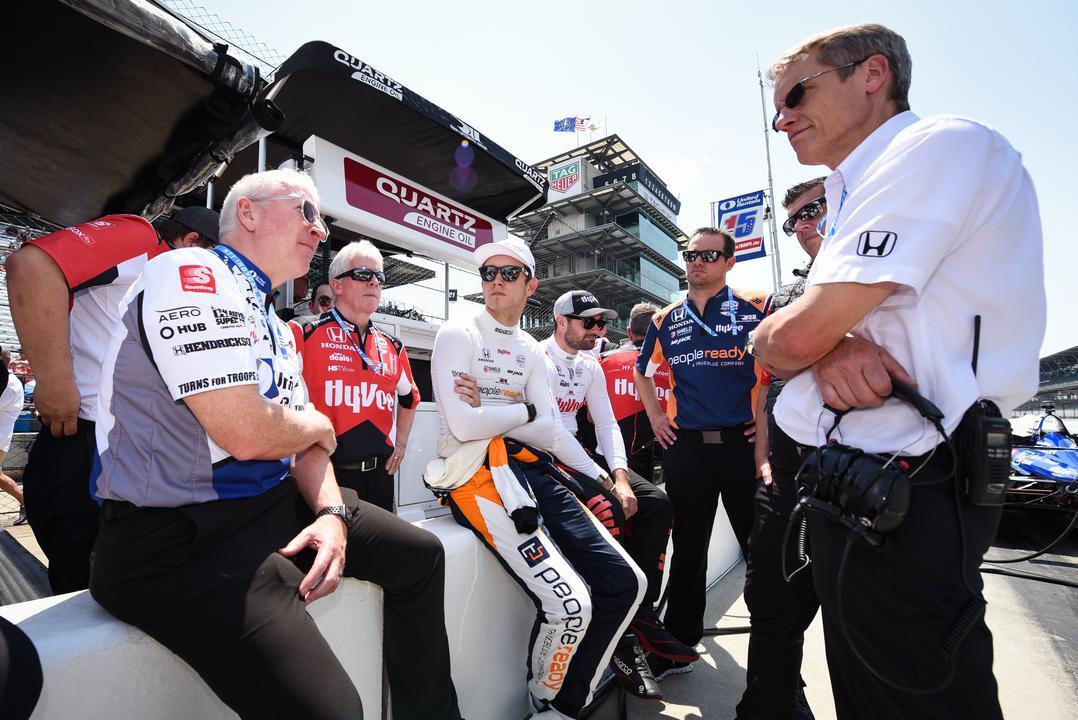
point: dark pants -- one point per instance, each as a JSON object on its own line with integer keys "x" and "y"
{"x": 63, "y": 516}
{"x": 900, "y": 600}
{"x": 375, "y": 486}
{"x": 645, "y": 535}
{"x": 696, "y": 475}
{"x": 20, "y": 673}
{"x": 206, "y": 581}
{"x": 780, "y": 612}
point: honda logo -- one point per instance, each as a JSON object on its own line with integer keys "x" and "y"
{"x": 335, "y": 334}
{"x": 876, "y": 243}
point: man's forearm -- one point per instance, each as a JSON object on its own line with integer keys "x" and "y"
{"x": 405, "y": 418}
{"x": 315, "y": 479}
{"x": 38, "y": 296}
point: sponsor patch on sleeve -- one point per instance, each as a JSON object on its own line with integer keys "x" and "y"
{"x": 197, "y": 278}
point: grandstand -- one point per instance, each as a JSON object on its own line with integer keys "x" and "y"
{"x": 1059, "y": 384}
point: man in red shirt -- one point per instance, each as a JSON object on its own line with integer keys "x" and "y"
{"x": 65, "y": 290}
{"x": 629, "y": 411}
{"x": 359, "y": 376}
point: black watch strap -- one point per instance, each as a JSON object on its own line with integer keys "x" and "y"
{"x": 531, "y": 411}
{"x": 340, "y": 511}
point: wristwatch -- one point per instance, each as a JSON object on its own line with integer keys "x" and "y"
{"x": 340, "y": 511}
{"x": 531, "y": 411}
{"x": 750, "y": 344}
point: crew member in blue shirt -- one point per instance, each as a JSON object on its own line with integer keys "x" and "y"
{"x": 708, "y": 425}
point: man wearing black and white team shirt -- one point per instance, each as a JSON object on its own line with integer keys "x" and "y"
{"x": 927, "y": 221}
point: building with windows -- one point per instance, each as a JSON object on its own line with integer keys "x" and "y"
{"x": 609, "y": 226}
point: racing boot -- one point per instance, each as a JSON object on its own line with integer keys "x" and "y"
{"x": 631, "y": 669}
{"x": 544, "y": 711}
{"x": 661, "y": 668}
{"x": 657, "y": 640}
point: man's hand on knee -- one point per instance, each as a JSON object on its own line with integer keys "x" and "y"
{"x": 326, "y": 536}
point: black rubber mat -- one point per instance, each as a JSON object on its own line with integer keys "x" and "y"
{"x": 22, "y": 576}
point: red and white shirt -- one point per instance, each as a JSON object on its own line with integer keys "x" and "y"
{"x": 100, "y": 260}
{"x": 359, "y": 400}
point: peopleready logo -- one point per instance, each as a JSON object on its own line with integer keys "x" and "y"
{"x": 688, "y": 358}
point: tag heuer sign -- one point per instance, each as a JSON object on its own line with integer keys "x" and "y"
{"x": 563, "y": 178}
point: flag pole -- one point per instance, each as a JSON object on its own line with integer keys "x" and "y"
{"x": 776, "y": 267}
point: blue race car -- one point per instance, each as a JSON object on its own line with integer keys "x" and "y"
{"x": 1044, "y": 463}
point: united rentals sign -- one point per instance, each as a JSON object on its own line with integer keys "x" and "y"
{"x": 374, "y": 201}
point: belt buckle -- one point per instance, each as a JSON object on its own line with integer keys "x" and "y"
{"x": 368, "y": 464}
{"x": 711, "y": 437}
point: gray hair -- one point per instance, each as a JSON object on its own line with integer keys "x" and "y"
{"x": 268, "y": 183}
{"x": 349, "y": 252}
{"x": 855, "y": 43}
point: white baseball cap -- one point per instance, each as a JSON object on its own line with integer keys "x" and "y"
{"x": 513, "y": 247}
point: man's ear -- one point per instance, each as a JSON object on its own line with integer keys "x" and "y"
{"x": 878, "y": 72}
{"x": 533, "y": 285}
{"x": 188, "y": 240}
{"x": 245, "y": 213}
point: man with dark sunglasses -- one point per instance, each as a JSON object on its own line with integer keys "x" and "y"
{"x": 64, "y": 290}
{"x": 320, "y": 302}
{"x": 583, "y": 584}
{"x": 906, "y": 286}
{"x": 780, "y": 611}
{"x": 359, "y": 377}
{"x": 707, "y": 429}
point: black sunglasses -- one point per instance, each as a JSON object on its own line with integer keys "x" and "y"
{"x": 324, "y": 300}
{"x": 709, "y": 256}
{"x": 363, "y": 275}
{"x": 509, "y": 273}
{"x": 808, "y": 211}
{"x": 591, "y": 322}
{"x": 797, "y": 92}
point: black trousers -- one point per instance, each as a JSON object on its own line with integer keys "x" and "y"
{"x": 696, "y": 476}
{"x": 64, "y": 518}
{"x": 20, "y": 673}
{"x": 375, "y": 486}
{"x": 206, "y": 581}
{"x": 644, "y": 536}
{"x": 900, "y": 600}
{"x": 780, "y": 612}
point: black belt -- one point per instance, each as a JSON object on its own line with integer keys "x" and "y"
{"x": 722, "y": 436}
{"x": 363, "y": 465}
{"x": 112, "y": 509}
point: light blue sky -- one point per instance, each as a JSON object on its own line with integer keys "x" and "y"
{"x": 677, "y": 81}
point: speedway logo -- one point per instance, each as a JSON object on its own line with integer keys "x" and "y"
{"x": 197, "y": 278}
{"x": 357, "y": 397}
{"x": 562, "y": 179}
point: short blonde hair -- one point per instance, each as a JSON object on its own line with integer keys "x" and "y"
{"x": 349, "y": 252}
{"x": 268, "y": 183}
{"x": 851, "y": 44}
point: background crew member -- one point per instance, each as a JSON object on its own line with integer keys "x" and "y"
{"x": 929, "y": 221}
{"x": 618, "y": 367}
{"x": 706, "y": 431}
{"x": 11, "y": 403}
{"x": 65, "y": 289}
{"x": 578, "y": 624}
{"x": 321, "y": 302}
{"x": 780, "y": 612}
{"x": 214, "y": 549}
{"x": 359, "y": 377}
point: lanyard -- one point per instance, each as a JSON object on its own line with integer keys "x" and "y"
{"x": 834, "y": 223}
{"x": 259, "y": 283}
{"x": 729, "y": 310}
{"x": 377, "y": 368}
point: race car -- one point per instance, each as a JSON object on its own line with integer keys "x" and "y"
{"x": 1044, "y": 463}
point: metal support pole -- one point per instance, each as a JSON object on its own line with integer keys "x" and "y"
{"x": 209, "y": 194}
{"x": 776, "y": 267}
{"x": 261, "y": 154}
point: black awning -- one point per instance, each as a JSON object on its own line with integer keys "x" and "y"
{"x": 114, "y": 106}
{"x": 325, "y": 91}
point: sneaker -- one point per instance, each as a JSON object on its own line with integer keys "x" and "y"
{"x": 662, "y": 668}
{"x": 21, "y": 520}
{"x": 657, "y": 640}
{"x": 632, "y": 671}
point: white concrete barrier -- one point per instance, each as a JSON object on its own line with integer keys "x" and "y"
{"x": 98, "y": 668}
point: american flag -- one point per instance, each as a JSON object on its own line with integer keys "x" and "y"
{"x": 571, "y": 124}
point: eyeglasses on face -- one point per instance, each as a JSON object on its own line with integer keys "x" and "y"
{"x": 808, "y": 211}
{"x": 324, "y": 301}
{"x": 509, "y": 273}
{"x": 708, "y": 256}
{"x": 363, "y": 275}
{"x": 797, "y": 92}
{"x": 307, "y": 209}
{"x": 590, "y": 322}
